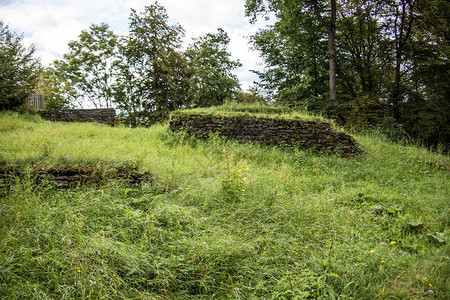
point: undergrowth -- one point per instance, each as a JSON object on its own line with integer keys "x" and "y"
{"x": 220, "y": 219}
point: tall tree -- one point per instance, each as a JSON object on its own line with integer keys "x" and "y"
{"x": 402, "y": 20}
{"x": 209, "y": 67}
{"x": 153, "y": 70}
{"x": 89, "y": 65}
{"x": 424, "y": 106}
{"x": 330, "y": 25}
{"x": 19, "y": 70}
{"x": 295, "y": 55}
{"x": 287, "y": 11}
{"x": 364, "y": 63}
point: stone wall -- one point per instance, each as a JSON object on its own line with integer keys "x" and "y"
{"x": 306, "y": 134}
{"x": 104, "y": 115}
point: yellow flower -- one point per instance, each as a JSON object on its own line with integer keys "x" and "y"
{"x": 430, "y": 285}
{"x": 382, "y": 261}
{"x": 306, "y": 247}
{"x": 79, "y": 271}
{"x": 393, "y": 243}
{"x": 372, "y": 251}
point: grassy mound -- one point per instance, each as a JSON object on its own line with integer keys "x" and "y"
{"x": 220, "y": 219}
{"x": 257, "y": 110}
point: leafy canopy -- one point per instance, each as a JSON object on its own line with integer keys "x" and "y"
{"x": 19, "y": 70}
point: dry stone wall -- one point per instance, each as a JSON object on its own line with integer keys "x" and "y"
{"x": 104, "y": 115}
{"x": 305, "y": 134}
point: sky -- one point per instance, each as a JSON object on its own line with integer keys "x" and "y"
{"x": 51, "y": 24}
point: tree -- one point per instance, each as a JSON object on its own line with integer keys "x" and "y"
{"x": 88, "y": 66}
{"x": 423, "y": 105}
{"x": 295, "y": 58}
{"x": 290, "y": 11}
{"x": 209, "y": 66}
{"x": 392, "y": 60}
{"x": 402, "y": 18}
{"x": 365, "y": 63}
{"x": 153, "y": 72}
{"x": 58, "y": 93}
{"x": 19, "y": 70}
{"x": 330, "y": 25}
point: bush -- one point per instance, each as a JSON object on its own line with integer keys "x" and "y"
{"x": 19, "y": 71}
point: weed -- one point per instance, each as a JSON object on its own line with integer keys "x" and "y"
{"x": 252, "y": 224}
{"x": 234, "y": 181}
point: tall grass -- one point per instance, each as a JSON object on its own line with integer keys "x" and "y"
{"x": 248, "y": 222}
{"x": 257, "y": 109}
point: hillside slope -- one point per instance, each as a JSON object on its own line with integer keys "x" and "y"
{"x": 217, "y": 219}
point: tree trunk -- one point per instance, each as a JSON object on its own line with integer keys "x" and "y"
{"x": 331, "y": 49}
{"x": 332, "y": 53}
{"x": 395, "y": 97}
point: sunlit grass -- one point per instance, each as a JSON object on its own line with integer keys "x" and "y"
{"x": 258, "y": 110}
{"x": 258, "y": 222}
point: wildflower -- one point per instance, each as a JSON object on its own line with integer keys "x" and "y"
{"x": 393, "y": 243}
{"x": 306, "y": 247}
{"x": 187, "y": 188}
{"x": 372, "y": 251}
{"x": 79, "y": 271}
{"x": 430, "y": 285}
{"x": 382, "y": 261}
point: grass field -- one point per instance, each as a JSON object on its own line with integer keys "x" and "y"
{"x": 219, "y": 219}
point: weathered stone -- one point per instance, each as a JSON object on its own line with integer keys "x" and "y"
{"x": 104, "y": 115}
{"x": 316, "y": 135}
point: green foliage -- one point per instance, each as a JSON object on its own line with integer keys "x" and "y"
{"x": 88, "y": 68}
{"x": 151, "y": 82}
{"x": 143, "y": 74}
{"x": 19, "y": 70}
{"x": 256, "y": 109}
{"x": 254, "y": 95}
{"x": 391, "y": 62}
{"x": 317, "y": 227}
{"x": 235, "y": 178}
{"x": 58, "y": 93}
{"x": 209, "y": 62}
{"x": 296, "y": 70}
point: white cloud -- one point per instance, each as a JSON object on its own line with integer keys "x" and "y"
{"x": 50, "y": 25}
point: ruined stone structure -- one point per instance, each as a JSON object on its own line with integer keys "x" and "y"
{"x": 304, "y": 134}
{"x": 103, "y": 115}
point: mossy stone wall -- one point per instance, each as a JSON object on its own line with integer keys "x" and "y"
{"x": 305, "y": 134}
{"x": 103, "y": 115}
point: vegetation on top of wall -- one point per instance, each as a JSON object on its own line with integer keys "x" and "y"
{"x": 257, "y": 110}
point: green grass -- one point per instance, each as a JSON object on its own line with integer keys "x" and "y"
{"x": 252, "y": 222}
{"x": 260, "y": 110}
